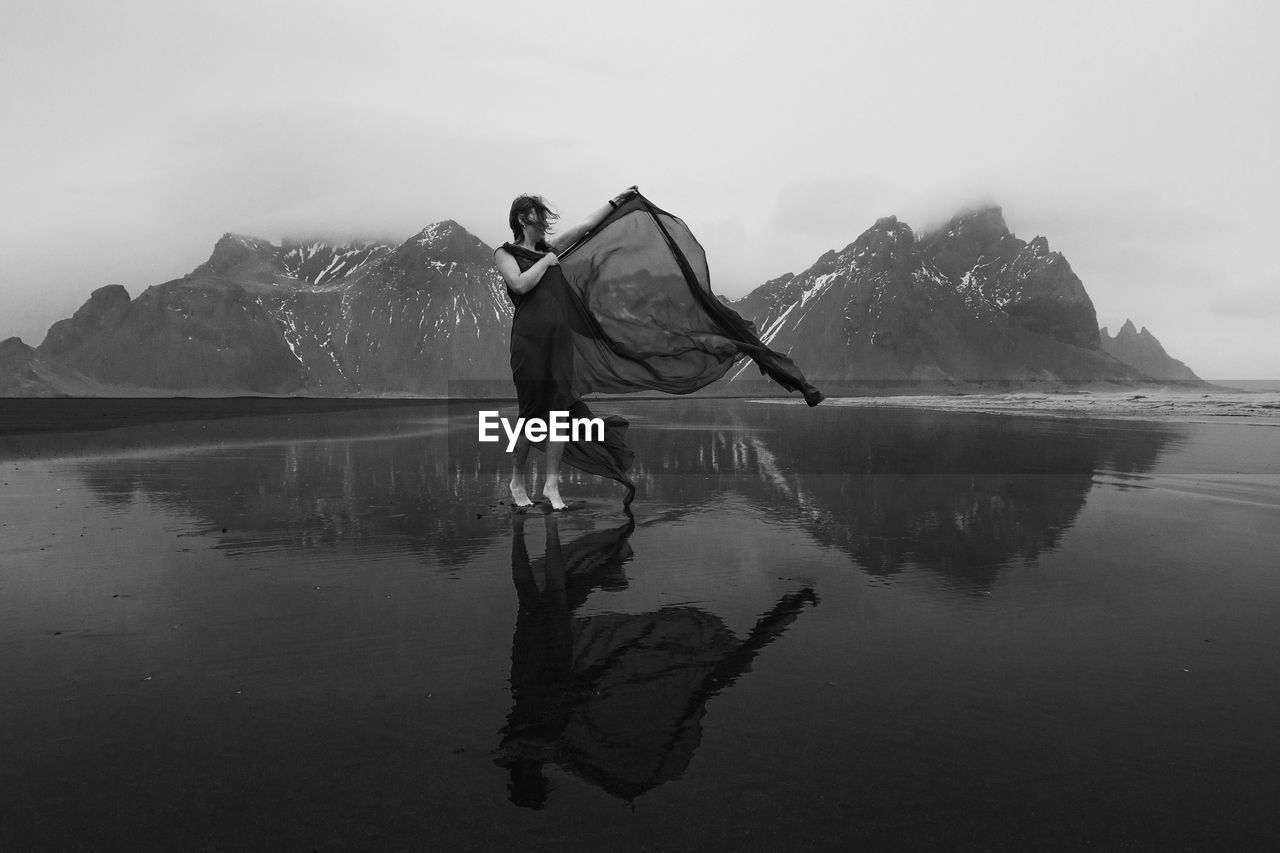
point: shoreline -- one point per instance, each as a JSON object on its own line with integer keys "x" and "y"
{"x": 1257, "y": 408}
{"x": 33, "y": 416}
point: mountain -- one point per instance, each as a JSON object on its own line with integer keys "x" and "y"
{"x": 305, "y": 317}
{"x": 967, "y": 303}
{"x": 1144, "y": 352}
{"x": 961, "y": 306}
{"x": 1035, "y": 286}
{"x": 190, "y": 335}
{"x": 17, "y": 379}
{"x": 250, "y": 260}
{"x": 431, "y": 311}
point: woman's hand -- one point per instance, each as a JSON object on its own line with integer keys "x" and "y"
{"x": 624, "y": 195}
{"x": 563, "y": 241}
{"x": 522, "y": 282}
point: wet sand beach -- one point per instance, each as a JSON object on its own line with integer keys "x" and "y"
{"x": 305, "y": 627}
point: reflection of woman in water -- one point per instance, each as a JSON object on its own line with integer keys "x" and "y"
{"x": 616, "y": 699}
{"x": 541, "y": 349}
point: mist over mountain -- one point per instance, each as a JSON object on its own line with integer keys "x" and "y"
{"x": 296, "y": 263}
{"x": 964, "y": 305}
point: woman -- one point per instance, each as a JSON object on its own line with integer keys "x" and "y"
{"x": 542, "y": 359}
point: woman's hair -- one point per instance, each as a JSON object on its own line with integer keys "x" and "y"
{"x": 530, "y": 204}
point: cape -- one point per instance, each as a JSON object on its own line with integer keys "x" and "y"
{"x": 647, "y": 319}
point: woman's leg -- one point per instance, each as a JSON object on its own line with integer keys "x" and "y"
{"x": 551, "y": 487}
{"x": 519, "y": 458}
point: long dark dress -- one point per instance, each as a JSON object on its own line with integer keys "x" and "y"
{"x": 542, "y": 367}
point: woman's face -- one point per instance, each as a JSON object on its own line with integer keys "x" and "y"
{"x": 534, "y": 228}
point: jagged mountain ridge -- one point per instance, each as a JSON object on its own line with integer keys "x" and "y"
{"x": 303, "y": 317}
{"x": 294, "y": 263}
{"x": 968, "y": 303}
{"x": 16, "y": 376}
{"x": 1145, "y": 353}
{"x": 432, "y": 310}
{"x": 1029, "y": 282}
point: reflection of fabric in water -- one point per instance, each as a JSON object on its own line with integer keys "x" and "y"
{"x": 616, "y": 699}
{"x": 641, "y": 722}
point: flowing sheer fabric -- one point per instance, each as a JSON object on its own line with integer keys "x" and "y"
{"x": 629, "y": 308}
{"x": 645, "y": 317}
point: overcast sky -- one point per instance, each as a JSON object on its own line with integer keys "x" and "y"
{"x": 1140, "y": 138}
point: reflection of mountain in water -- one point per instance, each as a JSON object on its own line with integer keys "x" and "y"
{"x": 412, "y": 493}
{"x": 616, "y": 699}
{"x": 962, "y": 495}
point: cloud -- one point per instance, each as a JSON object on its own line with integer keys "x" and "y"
{"x": 1259, "y": 300}
{"x": 1135, "y": 139}
{"x": 325, "y": 167}
{"x": 832, "y": 206}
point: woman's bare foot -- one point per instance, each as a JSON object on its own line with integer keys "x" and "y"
{"x": 551, "y": 491}
{"x": 519, "y": 495}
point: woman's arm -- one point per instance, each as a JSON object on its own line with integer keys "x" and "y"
{"x": 522, "y": 282}
{"x": 563, "y": 241}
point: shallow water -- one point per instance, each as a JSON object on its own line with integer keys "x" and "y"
{"x": 903, "y": 628}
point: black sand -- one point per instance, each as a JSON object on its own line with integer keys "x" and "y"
{"x": 299, "y": 628}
